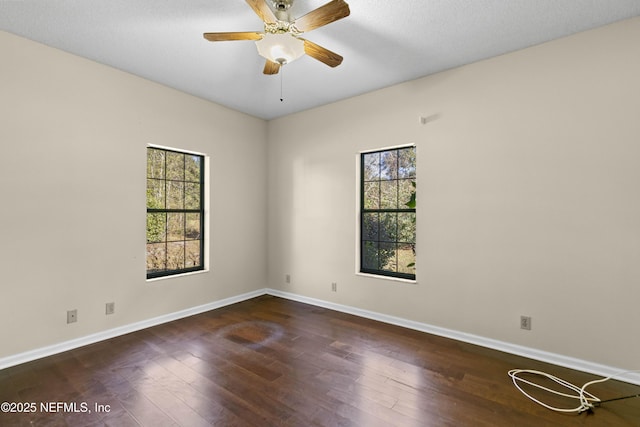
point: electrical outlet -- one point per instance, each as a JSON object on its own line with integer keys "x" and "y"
{"x": 525, "y": 322}
{"x": 334, "y": 287}
{"x": 287, "y": 278}
{"x": 110, "y": 308}
{"x": 72, "y": 316}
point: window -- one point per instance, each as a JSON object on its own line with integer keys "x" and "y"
{"x": 388, "y": 213}
{"x": 175, "y": 212}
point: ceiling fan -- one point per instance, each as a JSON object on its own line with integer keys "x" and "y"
{"x": 280, "y": 43}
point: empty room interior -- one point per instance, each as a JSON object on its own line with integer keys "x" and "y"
{"x": 519, "y": 246}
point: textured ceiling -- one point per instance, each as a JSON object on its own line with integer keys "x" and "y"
{"x": 383, "y": 42}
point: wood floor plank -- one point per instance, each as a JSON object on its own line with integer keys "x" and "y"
{"x": 274, "y": 362}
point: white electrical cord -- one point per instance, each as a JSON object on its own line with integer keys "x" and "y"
{"x": 587, "y": 400}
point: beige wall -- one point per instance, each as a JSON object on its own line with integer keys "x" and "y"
{"x": 72, "y": 187}
{"x": 528, "y": 197}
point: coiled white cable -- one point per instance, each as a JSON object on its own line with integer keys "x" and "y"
{"x": 587, "y": 400}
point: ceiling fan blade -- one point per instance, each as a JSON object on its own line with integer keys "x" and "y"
{"x": 271, "y": 67}
{"x": 315, "y": 51}
{"x": 221, "y": 37}
{"x": 262, "y": 9}
{"x": 330, "y": 12}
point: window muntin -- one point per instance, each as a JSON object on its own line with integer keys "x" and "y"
{"x": 175, "y": 212}
{"x": 388, "y": 212}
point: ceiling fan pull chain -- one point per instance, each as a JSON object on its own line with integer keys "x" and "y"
{"x": 281, "y": 73}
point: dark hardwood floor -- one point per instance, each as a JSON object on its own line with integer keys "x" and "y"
{"x": 273, "y": 362}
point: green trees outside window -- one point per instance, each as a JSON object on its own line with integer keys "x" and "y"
{"x": 175, "y": 212}
{"x": 388, "y": 213}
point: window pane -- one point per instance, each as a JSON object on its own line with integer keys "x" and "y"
{"x": 155, "y": 194}
{"x": 192, "y": 253}
{"x": 372, "y": 195}
{"x": 371, "y": 167}
{"x": 156, "y": 257}
{"x": 192, "y": 230}
{"x": 175, "y": 166}
{"x": 407, "y": 259}
{"x": 407, "y": 163}
{"x": 388, "y": 194}
{"x": 175, "y": 195}
{"x": 389, "y": 165}
{"x": 156, "y": 227}
{"x": 155, "y": 163}
{"x": 407, "y": 227}
{"x": 388, "y": 227}
{"x": 175, "y": 228}
{"x": 192, "y": 168}
{"x": 370, "y": 226}
{"x": 175, "y": 255}
{"x": 405, "y": 190}
{"x": 192, "y": 195}
{"x": 370, "y": 255}
{"x": 388, "y": 259}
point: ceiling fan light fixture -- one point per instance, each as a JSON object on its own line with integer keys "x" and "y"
{"x": 280, "y": 48}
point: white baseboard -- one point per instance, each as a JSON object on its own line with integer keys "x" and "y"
{"x": 556, "y": 359}
{"x": 39, "y": 353}
{"x": 531, "y": 353}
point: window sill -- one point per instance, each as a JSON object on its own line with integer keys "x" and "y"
{"x": 381, "y": 277}
{"x": 176, "y": 276}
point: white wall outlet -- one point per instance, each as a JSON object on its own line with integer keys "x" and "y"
{"x": 110, "y": 308}
{"x": 72, "y": 316}
{"x": 525, "y": 322}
